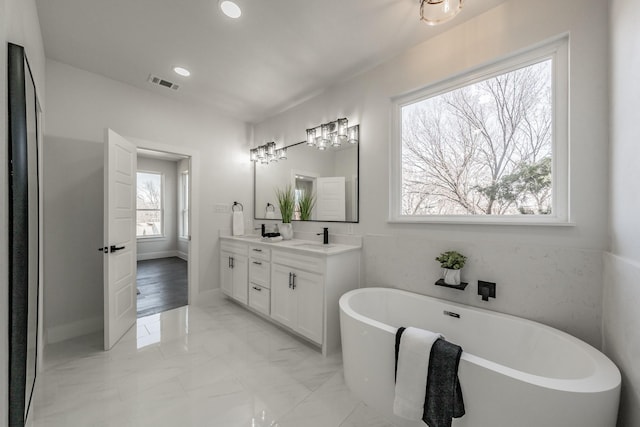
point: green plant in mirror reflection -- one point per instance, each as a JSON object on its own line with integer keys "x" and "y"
{"x": 306, "y": 203}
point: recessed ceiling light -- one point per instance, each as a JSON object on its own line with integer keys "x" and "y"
{"x": 182, "y": 71}
{"x": 231, "y": 9}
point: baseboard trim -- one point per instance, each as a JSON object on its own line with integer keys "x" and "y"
{"x": 74, "y": 329}
{"x": 183, "y": 255}
{"x": 156, "y": 255}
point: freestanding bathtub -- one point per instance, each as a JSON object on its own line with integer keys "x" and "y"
{"x": 513, "y": 372}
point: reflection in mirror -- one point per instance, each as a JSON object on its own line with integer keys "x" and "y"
{"x": 331, "y": 176}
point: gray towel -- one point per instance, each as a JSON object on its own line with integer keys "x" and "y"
{"x": 444, "y": 396}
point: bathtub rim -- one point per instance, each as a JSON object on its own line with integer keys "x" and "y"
{"x": 605, "y": 377}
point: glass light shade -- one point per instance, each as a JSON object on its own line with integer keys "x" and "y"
{"x": 335, "y": 140}
{"x": 322, "y": 144}
{"x": 353, "y": 135}
{"x": 311, "y": 137}
{"x": 435, "y": 12}
{"x": 282, "y": 154}
{"x": 262, "y": 152}
{"x": 343, "y": 125}
{"x": 253, "y": 154}
{"x": 264, "y": 161}
{"x": 271, "y": 149}
{"x": 324, "y": 134}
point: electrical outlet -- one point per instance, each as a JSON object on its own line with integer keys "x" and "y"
{"x": 221, "y": 208}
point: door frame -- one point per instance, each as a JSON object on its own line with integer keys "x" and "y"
{"x": 193, "y": 264}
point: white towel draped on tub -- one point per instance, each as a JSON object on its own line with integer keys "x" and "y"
{"x": 411, "y": 376}
{"x": 238, "y": 223}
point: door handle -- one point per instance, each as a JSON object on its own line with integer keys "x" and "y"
{"x": 114, "y": 248}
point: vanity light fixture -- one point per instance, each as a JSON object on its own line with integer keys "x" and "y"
{"x": 182, "y": 71}
{"x": 435, "y": 12}
{"x": 230, "y": 8}
{"x": 332, "y": 134}
{"x": 267, "y": 153}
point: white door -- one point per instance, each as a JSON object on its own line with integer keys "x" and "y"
{"x": 119, "y": 237}
{"x": 240, "y": 266}
{"x": 330, "y": 199}
{"x": 283, "y": 302}
{"x": 310, "y": 297}
{"x": 226, "y": 273}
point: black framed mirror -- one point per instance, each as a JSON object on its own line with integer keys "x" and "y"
{"x": 24, "y": 234}
{"x": 332, "y": 176}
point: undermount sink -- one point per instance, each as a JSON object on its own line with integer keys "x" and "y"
{"x": 251, "y": 237}
{"x": 316, "y": 246}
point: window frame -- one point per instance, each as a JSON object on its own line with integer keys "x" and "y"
{"x": 162, "y": 235}
{"x": 182, "y": 206}
{"x": 558, "y": 51}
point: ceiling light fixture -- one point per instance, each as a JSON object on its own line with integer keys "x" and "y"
{"x": 435, "y": 12}
{"x": 231, "y": 9}
{"x": 332, "y": 134}
{"x": 182, "y": 71}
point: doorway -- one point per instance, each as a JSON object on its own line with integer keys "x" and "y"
{"x": 162, "y": 230}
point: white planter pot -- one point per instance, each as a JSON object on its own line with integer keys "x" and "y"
{"x": 451, "y": 277}
{"x": 286, "y": 230}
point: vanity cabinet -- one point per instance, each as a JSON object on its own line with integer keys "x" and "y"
{"x": 294, "y": 284}
{"x": 234, "y": 271}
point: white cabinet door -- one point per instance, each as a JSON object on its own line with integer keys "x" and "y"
{"x": 240, "y": 267}
{"x": 283, "y": 298}
{"x": 226, "y": 273}
{"x": 309, "y": 292}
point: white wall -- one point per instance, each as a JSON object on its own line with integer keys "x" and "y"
{"x": 167, "y": 245}
{"x": 18, "y": 24}
{"x": 81, "y": 105}
{"x": 549, "y": 274}
{"x": 621, "y": 339}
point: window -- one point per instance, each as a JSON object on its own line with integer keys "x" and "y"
{"x": 149, "y": 215}
{"x": 184, "y": 205}
{"x": 489, "y": 146}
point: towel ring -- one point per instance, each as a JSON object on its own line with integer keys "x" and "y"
{"x": 269, "y": 205}
{"x": 233, "y": 208}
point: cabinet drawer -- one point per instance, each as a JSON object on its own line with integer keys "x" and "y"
{"x": 260, "y": 272}
{"x": 260, "y": 252}
{"x": 259, "y": 298}
{"x": 299, "y": 261}
{"x": 234, "y": 247}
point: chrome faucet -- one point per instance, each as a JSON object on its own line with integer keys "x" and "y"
{"x": 325, "y": 235}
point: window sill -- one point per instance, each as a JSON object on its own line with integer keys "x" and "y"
{"x": 150, "y": 238}
{"x": 492, "y": 221}
{"x": 183, "y": 239}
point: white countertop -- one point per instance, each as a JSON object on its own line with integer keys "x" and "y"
{"x": 307, "y": 246}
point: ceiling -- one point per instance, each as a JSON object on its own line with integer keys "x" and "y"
{"x": 279, "y": 53}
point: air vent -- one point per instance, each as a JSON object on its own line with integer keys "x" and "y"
{"x": 162, "y": 82}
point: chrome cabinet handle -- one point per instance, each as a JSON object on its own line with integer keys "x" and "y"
{"x": 293, "y": 282}
{"x": 257, "y": 289}
{"x": 257, "y": 263}
{"x": 257, "y": 250}
{"x": 290, "y": 279}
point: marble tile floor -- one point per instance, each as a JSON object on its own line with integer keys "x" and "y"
{"x": 214, "y": 364}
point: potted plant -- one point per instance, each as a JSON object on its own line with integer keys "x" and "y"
{"x": 286, "y": 204}
{"x": 451, "y": 262}
{"x": 306, "y": 203}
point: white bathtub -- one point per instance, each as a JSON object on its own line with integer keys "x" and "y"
{"x": 513, "y": 372}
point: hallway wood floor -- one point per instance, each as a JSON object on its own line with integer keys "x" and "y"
{"x": 162, "y": 284}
